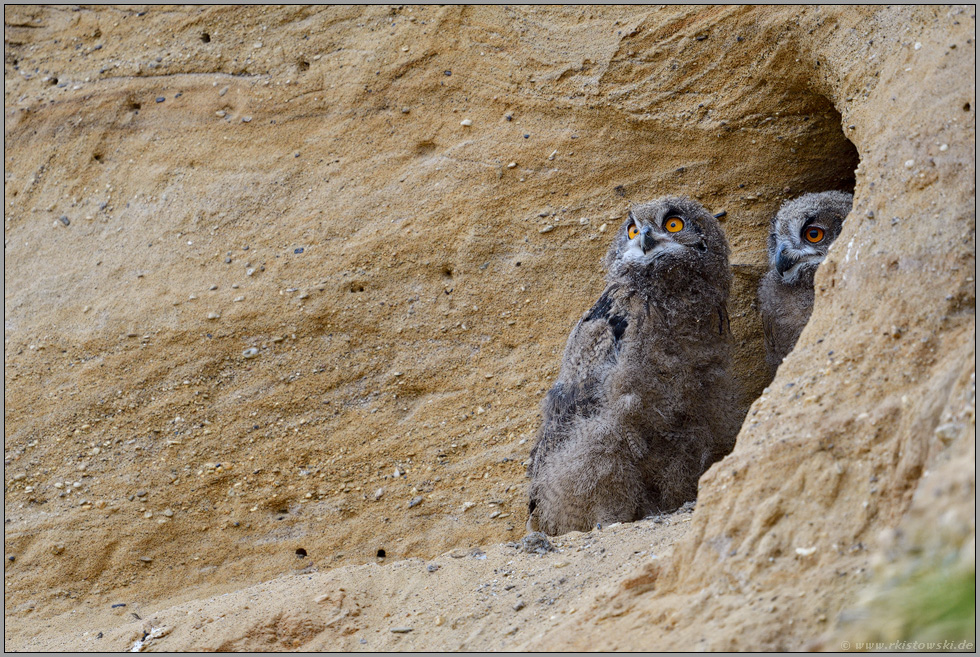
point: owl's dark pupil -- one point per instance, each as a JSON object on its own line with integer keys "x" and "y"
{"x": 814, "y": 234}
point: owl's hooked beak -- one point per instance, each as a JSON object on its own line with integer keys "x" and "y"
{"x": 784, "y": 262}
{"x": 647, "y": 241}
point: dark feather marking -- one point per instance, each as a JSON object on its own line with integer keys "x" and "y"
{"x": 601, "y": 308}
{"x": 564, "y": 401}
{"x": 618, "y": 325}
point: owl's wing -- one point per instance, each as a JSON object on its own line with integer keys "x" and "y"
{"x": 592, "y": 348}
{"x": 596, "y": 339}
{"x": 768, "y": 333}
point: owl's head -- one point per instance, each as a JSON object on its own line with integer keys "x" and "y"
{"x": 668, "y": 234}
{"x": 802, "y": 231}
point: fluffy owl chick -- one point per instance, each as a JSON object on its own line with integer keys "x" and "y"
{"x": 644, "y": 401}
{"x": 799, "y": 236}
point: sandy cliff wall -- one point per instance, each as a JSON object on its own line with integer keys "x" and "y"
{"x": 274, "y": 274}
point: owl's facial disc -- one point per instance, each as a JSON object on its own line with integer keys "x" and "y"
{"x": 646, "y": 243}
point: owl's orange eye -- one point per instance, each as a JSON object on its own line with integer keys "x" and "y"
{"x": 813, "y": 234}
{"x": 674, "y": 224}
{"x": 632, "y": 231}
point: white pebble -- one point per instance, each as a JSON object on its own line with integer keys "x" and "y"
{"x": 918, "y": 45}
{"x": 214, "y": 315}
{"x": 250, "y": 271}
{"x": 251, "y": 352}
{"x": 944, "y": 147}
{"x": 909, "y": 164}
{"x": 512, "y": 165}
{"x": 466, "y": 122}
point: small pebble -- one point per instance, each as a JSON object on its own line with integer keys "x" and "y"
{"x": 214, "y": 315}
{"x": 146, "y": 559}
{"x": 223, "y": 91}
{"x": 547, "y": 229}
{"x": 947, "y": 432}
{"x": 512, "y": 165}
{"x": 299, "y": 250}
{"x": 466, "y": 122}
{"x": 119, "y": 604}
{"x": 433, "y": 567}
{"x": 65, "y": 220}
{"x": 160, "y": 99}
{"x": 944, "y": 147}
{"x": 221, "y": 114}
{"x": 909, "y": 164}
{"x": 401, "y": 630}
{"x": 536, "y": 542}
{"x": 415, "y": 501}
{"x": 520, "y": 605}
{"x": 251, "y": 352}
{"x": 57, "y": 549}
{"x": 246, "y": 119}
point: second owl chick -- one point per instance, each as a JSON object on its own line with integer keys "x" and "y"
{"x": 799, "y": 237}
{"x": 644, "y": 401}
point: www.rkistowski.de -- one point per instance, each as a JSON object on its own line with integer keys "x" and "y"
{"x": 907, "y": 645}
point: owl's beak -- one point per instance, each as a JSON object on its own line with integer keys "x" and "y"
{"x": 784, "y": 262}
{"x": 649, "y": 242}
